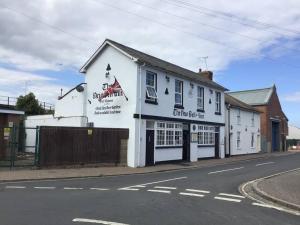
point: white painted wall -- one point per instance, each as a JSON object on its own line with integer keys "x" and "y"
{"x": 73, "y": 104}
{"x": 48, "y": 120}
{"x": 126, "y": 71}
{"x": 246, "y": 128}
{"x": 166, "y": 103}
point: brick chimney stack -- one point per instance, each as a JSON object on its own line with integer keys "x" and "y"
{"x": 206, "y": 74}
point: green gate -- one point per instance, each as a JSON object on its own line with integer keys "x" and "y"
{"x": 18, "y": 146}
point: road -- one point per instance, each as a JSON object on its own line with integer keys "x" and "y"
{"x": 191, "y": 196}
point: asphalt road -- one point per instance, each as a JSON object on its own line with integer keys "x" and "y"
{"x": 191, "y": 196}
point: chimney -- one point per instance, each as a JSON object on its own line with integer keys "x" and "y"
{"x": 206, "y": 74}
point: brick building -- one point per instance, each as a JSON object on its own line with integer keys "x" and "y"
{"x": 274, "y": 123}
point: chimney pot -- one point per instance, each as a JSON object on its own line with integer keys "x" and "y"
{"x": 206, "y": 74}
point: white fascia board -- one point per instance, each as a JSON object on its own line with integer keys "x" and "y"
{"x": 84, "y": 67}
{"x": 7, "y": 111}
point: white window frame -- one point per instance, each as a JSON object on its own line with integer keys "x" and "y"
{"x": 238, "y": 140}
{"x": 179, "y": 93}
{"x": 206, "y": 135}
{"x": 200, "y": 98}
{"x": 238, "y": 117}
{"x": 218, "y": 102}
{"x": 252, "y": 120}
{"x": 170, "y": 132}
{"x": 252, "y": 140}
{"x": 148, "y": 97}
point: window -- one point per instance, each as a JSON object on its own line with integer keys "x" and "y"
{"x": 239, "y": 117}
{"x": 151, "y": 86}
{"x": 238, "y": 140}
{"x": 252, "y": 120}
{"x": 252, "y": 140}
{"x": 218, "y": 102}
{"x": 206, "y": 135}
{"x": 168, "y": 134}
{"x": 178, "y": 92}
{"x": 200, "y": 98}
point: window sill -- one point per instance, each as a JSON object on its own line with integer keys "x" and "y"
{"x": 200, "y": 110}
{"x": 205, "y": 146}
{"x": 151, "y": 102}
{"x": 178, "y": 107}
{"x": 163, "y": 147}
{"x": 218, "y": 113}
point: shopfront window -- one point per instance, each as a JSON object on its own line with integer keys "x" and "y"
{"x": 168, "y": 134}
{"x": 206, "y": 135}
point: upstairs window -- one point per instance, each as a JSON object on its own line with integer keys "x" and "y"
{"x": 200, "y": 98}
{"x": 238, "y": 117}
{"x": 218, "y": 103}
{"x": 178, "y": 93}
{"x": 151, "y": 86}
{"x": 252, "y": 120}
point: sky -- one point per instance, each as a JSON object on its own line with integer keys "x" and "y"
{"x": 248, "y": 44}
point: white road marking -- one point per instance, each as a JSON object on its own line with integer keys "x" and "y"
{"x": 155, "y": 182}
{"x": 231, "y": 195}
{"x": 15, "y": 187}
{"x": 266, "y": 163}
{"x": 200, "y": 191}
{"x": 128, "y": 189}
{"x": 228, "y": 199}
{"x": 191, "y": 194}
{"x": 221, "y": 171}
{"x": 99, "y": 189}
{"x": 49, "y": 188}
{"x": 262, "y": 205}
{"x": 169, "y": 188}
{"x": 160, "y": 191}
{"x": 139, "y": 186}
{"x": 72, "y": 188}
{"x": 81, "y": 220}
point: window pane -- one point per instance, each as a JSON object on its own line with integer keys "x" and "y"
{"x": 150, "y": 79}
{"x": 151, "y": 93}
{"x": 178, "y": 137}
{"x": 177, "y": 98}
{"x": 160, "y": 138}
{"x": 170, "y": 137}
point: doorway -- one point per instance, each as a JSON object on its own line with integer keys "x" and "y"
{"x": 149, "y": 147}
{"x": 275, "y": 136}
{"x": 217, "y": 146}
{"x": 186, "y": 142}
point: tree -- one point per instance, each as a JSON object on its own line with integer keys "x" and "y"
{"x": 29, "y": 104}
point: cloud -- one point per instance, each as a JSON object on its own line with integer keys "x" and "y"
{"x": 293, "y": 97}
{"x": 32, "y": 45}
{"x": 15, "y": 83}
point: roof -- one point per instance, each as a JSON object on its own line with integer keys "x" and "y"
{"x": 294, "y": 132}
{"x": 235, "y": 103}
{"x": 254, "y": 97}
{"x": 141, "y": 57}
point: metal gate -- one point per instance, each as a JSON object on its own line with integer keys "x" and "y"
{"x": 18, "y": 146}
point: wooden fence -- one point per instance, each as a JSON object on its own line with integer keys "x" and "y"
{"x": 81, "y": 145}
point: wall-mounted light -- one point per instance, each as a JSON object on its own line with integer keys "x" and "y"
{"x": 168, "y": 79}
{"x": 231, "y": 127}
{"x": 108, "y": 68}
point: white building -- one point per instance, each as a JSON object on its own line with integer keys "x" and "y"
{"x": 242, "y": 128}
{"x": 172, "y": 113}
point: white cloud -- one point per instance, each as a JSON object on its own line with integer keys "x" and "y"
{"x": 15, "y": 83}
{"x": 31, "y": 45}
{"x": 293, "y": 97}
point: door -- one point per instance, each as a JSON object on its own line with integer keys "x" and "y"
{"x": 217, "y": 146}
{"x": 275, "y": 136}
{"x": 149, "y": 147}
{"x": 186, "y": 145}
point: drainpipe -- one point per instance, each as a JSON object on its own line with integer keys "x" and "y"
{"x": 229, "y": 126}
{"x": 140, "y": 110}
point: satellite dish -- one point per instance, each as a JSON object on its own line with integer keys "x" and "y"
{"x": 79, "y": 88}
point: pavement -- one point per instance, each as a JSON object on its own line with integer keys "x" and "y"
{"x": 18, "y": 174}
{"x": 198, "y": 195}
{"x": 283, "y": 189}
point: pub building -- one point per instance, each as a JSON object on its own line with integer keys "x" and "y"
{"x": 172, "y": 113}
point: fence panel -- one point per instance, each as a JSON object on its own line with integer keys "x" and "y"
{"x": 81, "y": 145}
